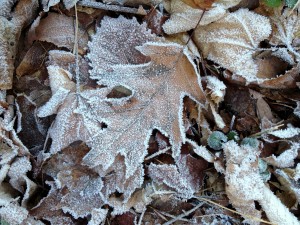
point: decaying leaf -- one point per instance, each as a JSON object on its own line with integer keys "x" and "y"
{"x": 77, "y": 189}
{"x": 184, "y": 17}
{"x": 285, "y": 159}
{"x": 215, "y": 89}
{"x": 10, "y": 31}
{"x": 185, "y": 178}
{"x": 232, "y": 40}
{"x": 58, "y": 29}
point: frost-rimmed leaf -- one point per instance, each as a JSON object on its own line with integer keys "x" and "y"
{"x": 285, "y": 159}
{"x": 244, "y": 186}
{"x": 77, "y": 189}
{"x": 158, "y": 89}
{"x": 185, "y": 178}
{"x": 10, "y": 31}
{"x": 286, "y": 133}
{"x": 184, "y": 17}
{"x": 286, "y": 33}
{"x": 232, "y": 40}
{"x": 74, "y": 121}
{"x": 114, "y": 43}
{"x": 215, "y": 89}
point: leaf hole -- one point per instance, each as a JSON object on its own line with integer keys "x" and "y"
{"x": 119, "y": 92}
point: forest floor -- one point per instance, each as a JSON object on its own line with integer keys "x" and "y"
{"x": 149, "y": 112}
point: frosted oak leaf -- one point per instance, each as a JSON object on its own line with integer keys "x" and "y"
{"x": 232, "y": 40}
{"x": 74, "y": 120}
{"x": 115, "y": 42}
{"x": 158, "y": 88}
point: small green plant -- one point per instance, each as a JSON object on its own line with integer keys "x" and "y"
{"x": 277, "y": 3}
{"x": 3, "y": 222}
{"x": 263, "y": 170}
{"x": 233, "y": 135}
{"x": 273, "y": 3}
{"x": 291, "y": 3}
{"x": 216, "y": 139}
{"x": 252, "y": 142}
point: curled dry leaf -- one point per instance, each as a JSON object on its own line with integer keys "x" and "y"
{"x": 184, "y": 17}
{"x": 215, "y": 89}
{"x": 58, "y": 29}
{"x": 232, "y": 40}
{"x": 245, "y": 185}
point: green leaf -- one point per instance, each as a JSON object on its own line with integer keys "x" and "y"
{"x": 291, "y": 3}
{"x": 252, "y": 142}
{"x": 273, "y": 3}
{"x": 263, "y": 170}
{"x": 216, "y": 139}
{"x": 232, "y": 135}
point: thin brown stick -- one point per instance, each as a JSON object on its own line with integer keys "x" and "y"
{"x": 115, "y": 8}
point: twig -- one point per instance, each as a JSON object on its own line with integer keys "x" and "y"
{"x": 233, "y": 211}
{"x": 142, "y": 215}
{"x": 158, "y": 153}
{"x": 75, "y": 51}
{"x": 295, "y": 6}
{"x": 266, "y": 131}
{"x": 116, "y": 8}
{"x": 183, "y": 214}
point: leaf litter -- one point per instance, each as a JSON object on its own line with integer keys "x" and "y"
{"x": 124, "y": 118}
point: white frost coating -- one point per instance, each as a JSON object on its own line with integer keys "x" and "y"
{"x": 202, "y": 152}
{"x": 275, "y": 210}
{"x": 60, "y": 78}
{"x": 285, "y": 159}
{"x": 286, "y": 133}
{"x": 13, "y": 214}
{"x": 216, "y": 89}
{"x": 297, "y": 110}
{"x": 232, "y": 40}
{"x": 98, "y": 216}
{"x": 184, "y": 18}
{"x": 114, "y": 43}
{"x": 51, "y": 107}
{"x": 245, "y": 185}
